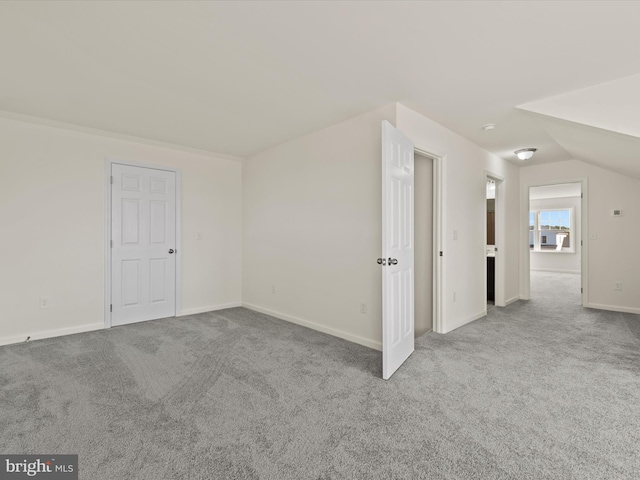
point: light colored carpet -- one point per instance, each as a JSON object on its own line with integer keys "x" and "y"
{"x": 539, "y": 390}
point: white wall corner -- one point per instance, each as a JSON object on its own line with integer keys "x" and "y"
{"x": 452, "y": 325}
{"x": 512, "y": 300}
{"x": 209, "y": 308}
{"x": 316, "y": 326}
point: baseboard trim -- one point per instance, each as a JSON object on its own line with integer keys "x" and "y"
{"x": 613, "y": 308}
{"x": 58, "y": 332}
{"x": 316, "y": 326}
{"x": 451, "y": 326}
{"x": 554, "y": 270}
{"x": 512, "y": 300}
{"x": 210, "y": 308}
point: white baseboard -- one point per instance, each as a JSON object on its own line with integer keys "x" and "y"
{"x": 512, "y": 300}
{"x": 451, "y": 326}
{"x": 613, "y": 308}
{"x": 316, "y": 326}
{"x": 210, "y": 308}
{"x": 554, "y": 270}
{"x": 58, "y": 332}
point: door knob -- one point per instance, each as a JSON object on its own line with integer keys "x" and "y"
{"x": 382, "y": 261}
{"x": 171, "y": 250}
{"x": 393, "y": 261}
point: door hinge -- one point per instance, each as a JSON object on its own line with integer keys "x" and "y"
{"x": 441, "y": 253}
{"x": 582, "y": 195}
{"x": 111, "y": 307}
{"x": 581, "y": 291}
{"x": 111, "y": 243}
{"x": 580, "y": 242}
{"x": 111, "y": 180}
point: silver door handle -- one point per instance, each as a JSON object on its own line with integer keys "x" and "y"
{"x": 382, "y": 261}
{"x": 393, "y": 261}
{"x": 171, "y": 250}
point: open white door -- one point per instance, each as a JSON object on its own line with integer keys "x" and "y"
{"x": 397, "y": 249}
{"x": 143, "y": 255}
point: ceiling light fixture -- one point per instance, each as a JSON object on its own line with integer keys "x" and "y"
{"x": 489, "y": 126}
{"x": 525, "y": 153}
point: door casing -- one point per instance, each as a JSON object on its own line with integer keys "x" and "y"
{"x": 107, "y": 238}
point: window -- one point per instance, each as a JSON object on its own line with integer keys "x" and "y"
{"x": 551, "y": 230}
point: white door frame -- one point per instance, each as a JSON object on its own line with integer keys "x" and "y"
{"x": 438, "y": 314}
{"x": 525, "y": 280}
{"x": 108, "y": 162}
{"x": 500, "y": 264}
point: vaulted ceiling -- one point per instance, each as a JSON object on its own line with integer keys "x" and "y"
{"x": 239, "y": 77}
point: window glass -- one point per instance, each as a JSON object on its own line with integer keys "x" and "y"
{"x": 550, "y": 230}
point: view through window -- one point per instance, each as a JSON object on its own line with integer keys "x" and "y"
{"x": 551, "y": 230}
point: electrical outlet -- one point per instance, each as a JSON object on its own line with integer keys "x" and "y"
{"x": 273, "y": 289}
{"x": 44, "y": 302}
{"x": 617, "y": 286}
{"x": 363, "y": 308}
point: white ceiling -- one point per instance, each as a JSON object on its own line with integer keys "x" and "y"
{"x": 239, "y": 77}
{"x": 555, "y": 191}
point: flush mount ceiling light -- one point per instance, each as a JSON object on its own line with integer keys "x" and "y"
{"x": 525, "y": 153}
{"x": 489, "y": 126}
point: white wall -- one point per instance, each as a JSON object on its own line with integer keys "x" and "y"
{"x": 312, "y": 222}
{"x": 612, "y": 256}
{"x": 552, "y": 261}
{"x": 466, "y": 166}
{"x": 312, "y": 229}
{"x": 52, "y": 218}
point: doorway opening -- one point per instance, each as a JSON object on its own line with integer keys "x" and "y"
{"x": 494, "y": 240}
{"x": 424, "y": 243}
{"x": 555, "y": 241}
{"x": 398, "y": 246}
{"x": 491, "y": 241}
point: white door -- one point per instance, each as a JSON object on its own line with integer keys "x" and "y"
{"x": 143, "y": 255}
{"x": 397, "y": 249}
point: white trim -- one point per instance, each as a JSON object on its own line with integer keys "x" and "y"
{"x": 554, "y": 270}
{"x": 453, "y": 325}
{"x": 58, "y": 332}
{"x": 107, "y": 244}
{"x": 512, "y": 300}
{"x": 210, "y": 308}
{"x": 439, "y": 271}
{"x": 613, "y": 308}
{"x": 316, "y": 326}
{"x": 18, "y": 117}
{"x": 584, "y": 246}
{"x": 108, "y": 162}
